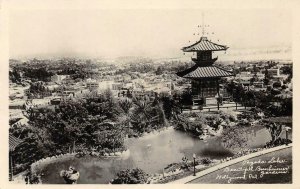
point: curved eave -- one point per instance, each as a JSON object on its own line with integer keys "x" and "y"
{"x": 206, "y": 72}
{"x": 204, "y": 45}
{"x": 224, "y": 48}
{"x": 207, "y": 77}
{"x": 13, "y": 142}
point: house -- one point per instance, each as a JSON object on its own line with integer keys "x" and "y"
{"x": 23, "y": 121}
{"x": 92, "y": 85}
{"x": 17, "y": 104}
{"x": 274, "y": 72}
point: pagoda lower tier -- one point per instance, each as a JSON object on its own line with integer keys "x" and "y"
{"x": 205, "y": 83}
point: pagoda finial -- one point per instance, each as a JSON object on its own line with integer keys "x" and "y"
{"x": 203, "y": 25}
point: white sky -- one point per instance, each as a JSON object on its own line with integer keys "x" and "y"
{"x": 153, "y": 33}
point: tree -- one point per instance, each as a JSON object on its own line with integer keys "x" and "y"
{"x": 159, "y": 70}
{"x": 253, "y": 79}
{"x": 147, "y": 115}
{"x": 267, "y": 77}
{"x": 125, "y": 105}
{"x": 170, "y": 107}
{"x": 255, "y": 69}
{"x": 14, "y": 76}
{"x": 287, "y": 70}
{"x": 276, "y": 85}
{"x": 186, "y": 97}
{"x": 28, "y": 151}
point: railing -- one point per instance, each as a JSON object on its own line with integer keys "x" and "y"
{"x": 227, "y": 107}
{"x": 212, "y": 108}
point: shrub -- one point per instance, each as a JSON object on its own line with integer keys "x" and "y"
{"x": 131, "y": 176}
{"x": 234, "y": 138}
{"x": 205, "y": 161}
{"x": 277, "y": 142}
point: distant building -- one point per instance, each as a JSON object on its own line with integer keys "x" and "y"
{"x": 170, "y": 85}
{"x": 58, "y": 78}
{"x": 67, "y": 94}
{"x": 21, "y": 122}
{"x": 16, "y": 104}
{"x": 68, "y": 80}
{"x": 55, "y": 101}
{"x": 244, "y": 76}
{"x": 40, "y": 102}
{"x": 116, "y": 86}
{"x": 92, "y": 86}
{"x": 260, "y": 76}
{"x": 258, "y": 84}
{"x": 52, "y": 87}
{"x": 274, "y": 72}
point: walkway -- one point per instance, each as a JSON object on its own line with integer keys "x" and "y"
{"x": 232, "y": 171}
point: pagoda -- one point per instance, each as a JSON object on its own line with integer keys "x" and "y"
{"x": 204, "y": 75}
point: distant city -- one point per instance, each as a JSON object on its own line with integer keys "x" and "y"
{"x": 65, "y": 79}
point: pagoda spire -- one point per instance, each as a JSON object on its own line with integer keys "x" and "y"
{"x": 203, "y": 26}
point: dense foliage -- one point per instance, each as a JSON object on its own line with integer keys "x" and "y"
{"x": 14, "y": 76}
{"x": 195, "y": 122}
{"x": 99, "y": 123}
{"x": 37, "y": 74}
{"x": 273, "y": 102}
{"x": 131, "y": 176}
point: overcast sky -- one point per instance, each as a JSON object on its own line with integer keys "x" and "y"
{"x": 152, "y": 33}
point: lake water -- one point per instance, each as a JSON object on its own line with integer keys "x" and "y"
{"x": 150, "y": 153}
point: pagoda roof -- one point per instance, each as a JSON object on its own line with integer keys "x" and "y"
{"x": 197, "y": 72}
{"x": 204, "y": 45}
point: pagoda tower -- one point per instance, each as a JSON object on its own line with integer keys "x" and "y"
{"x": 204, "y": 75}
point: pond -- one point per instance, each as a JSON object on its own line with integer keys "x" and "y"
{"x": 150, "y": 153}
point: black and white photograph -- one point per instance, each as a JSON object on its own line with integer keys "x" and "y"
{"x": 150, "y": 96}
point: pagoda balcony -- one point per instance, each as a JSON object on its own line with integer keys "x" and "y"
{"x": 204, "y": 62}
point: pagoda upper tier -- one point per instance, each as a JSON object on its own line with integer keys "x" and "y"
{"x": 204, "y": 68}
{"x": 204, "y": 45}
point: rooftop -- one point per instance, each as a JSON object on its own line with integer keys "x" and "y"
{"x": 205, "y": 72}
{"x": 204, "y": 45}
{"x": 13, "y": 142}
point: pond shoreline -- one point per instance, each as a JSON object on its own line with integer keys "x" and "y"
{"x": 40, "y": 164}
{"x": 62, "y": 157}
{"x": 146, "y": 144}
{"x": 153, "y": 133}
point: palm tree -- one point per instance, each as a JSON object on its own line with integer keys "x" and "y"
{"x": 146, "y": 115}
{"x": 125, "y": 105}
{"x": 275, "y": 130}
